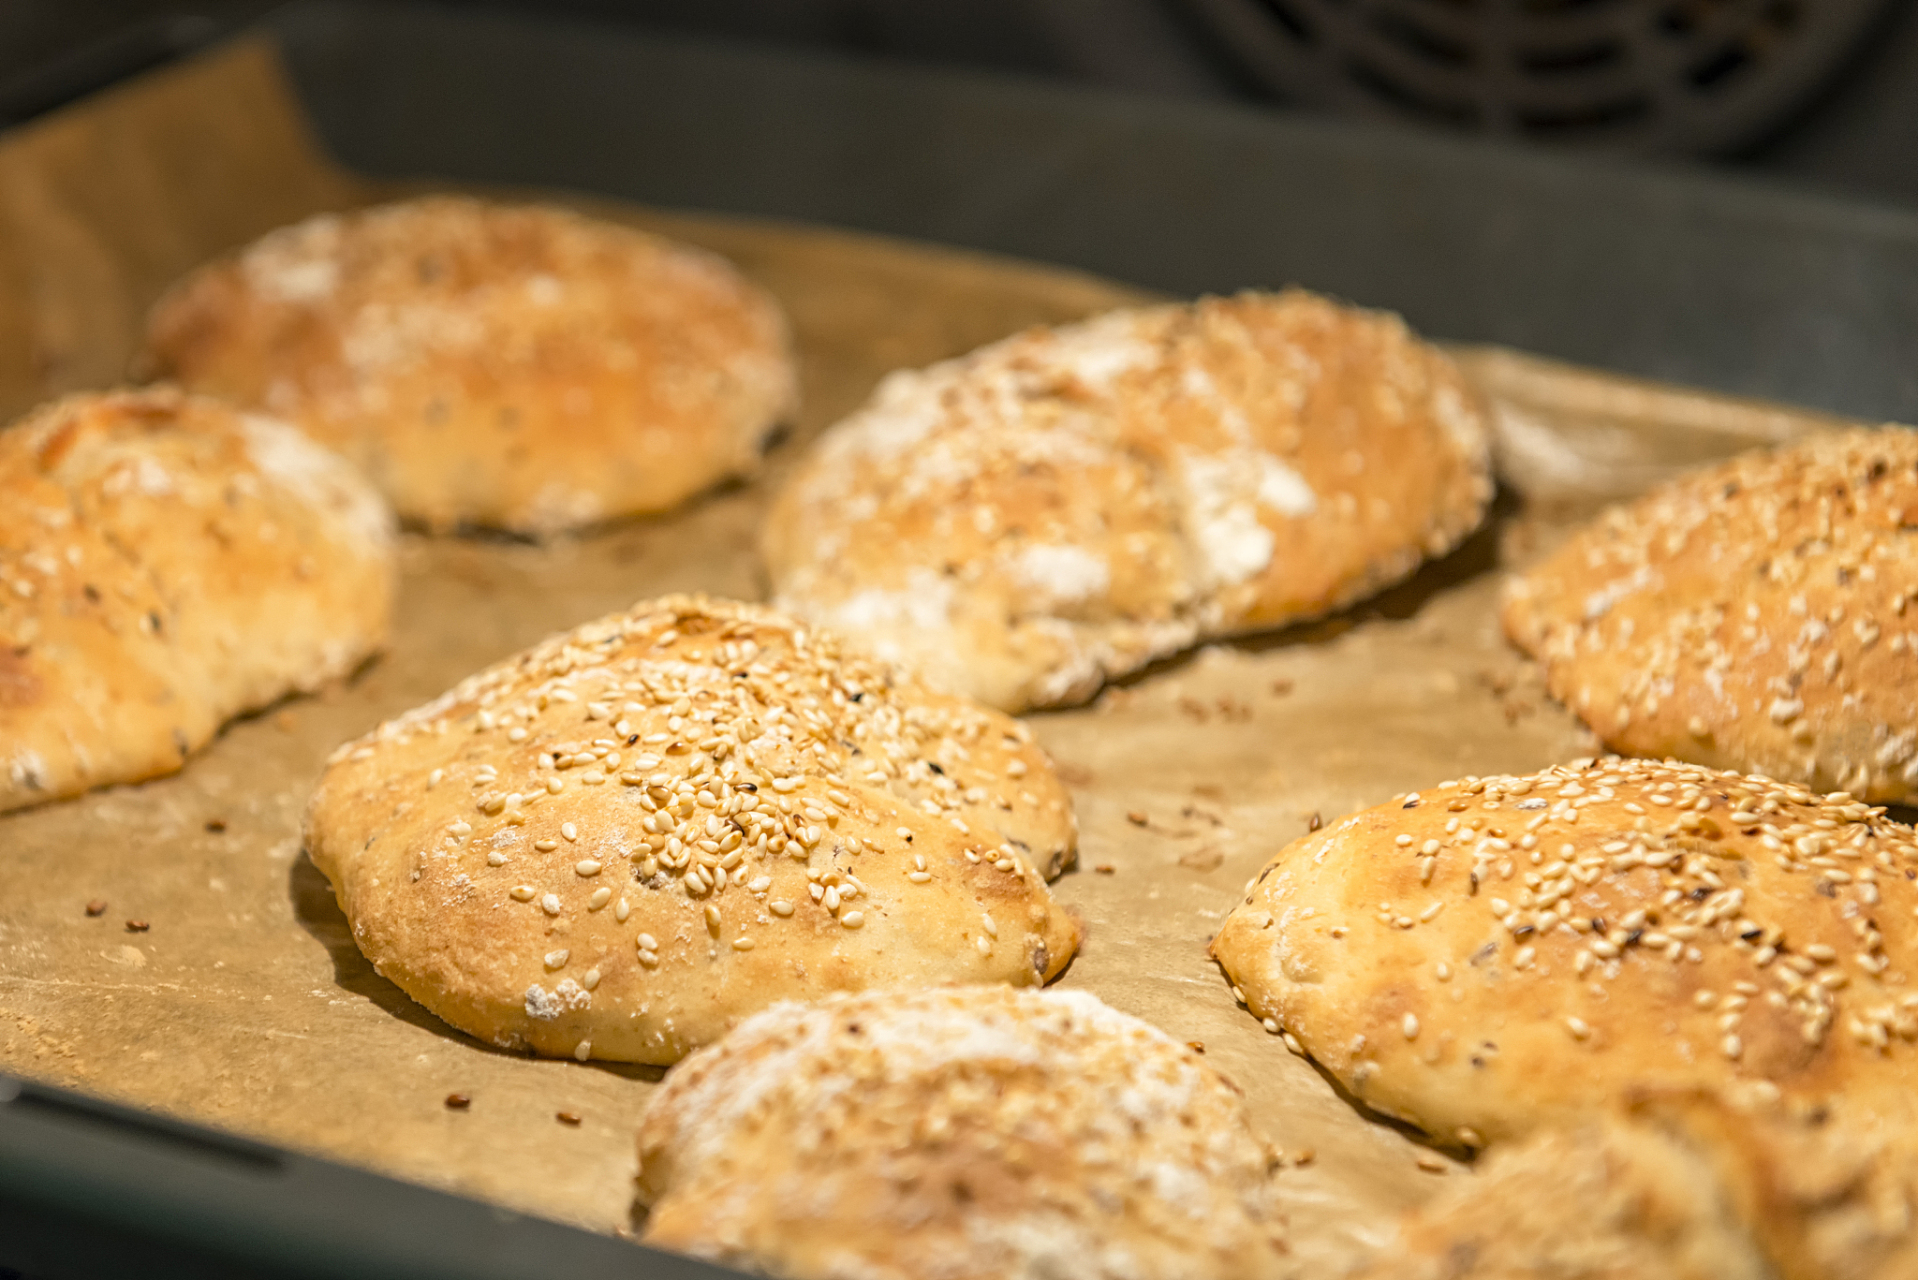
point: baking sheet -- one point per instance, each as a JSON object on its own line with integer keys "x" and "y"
{"x": 243, "y": 1003}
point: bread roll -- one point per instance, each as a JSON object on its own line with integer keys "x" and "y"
{"x": 623, "y": 840}
{"x": 517, "y": 367}
{"x": 1067, "y": 505}
{"x": 946, "y": 1135}
{"x": 1682, "y": 1185}
{"x": 165, "y": 564}
{"x": 1606, "y": 1200}
{"x": 1756, "y": 616}
{"x": 1494, "y": 955}
{"x": 1825, "y": 1190}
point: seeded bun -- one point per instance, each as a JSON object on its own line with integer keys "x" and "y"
{"x": 165, "y": 564}
{"x": 947, "y": 1135}
{"x": 1610, "y": 1199}
{"x": 517, "y": 367}
{"x": 623, "y": 840}
{"x": 1756, "y": 616}
{"x": 1067, "y": 505}
{"x": 1494, "y": 955}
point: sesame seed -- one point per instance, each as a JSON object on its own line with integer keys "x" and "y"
{"x": 621, "y": 911}
{"x": 556, "y": 959}
{"x": 601, "y": 896}
{"x": 550, "y": 904}
{"x": 568, "y": 830}
{"x": 1733, "y": 1047}
{"x": 1579, "y": 1028}
{"x": 586, "y": 867}
{"x": 852, "y": 919}
{"x": 582, "y": 1052}
{"x": 1410, "y": 1025}
{"x": 649, "y": 959}
{"x": 524, "y": 892}
{"x": 745, "y": 944}
{"x": 590, "y": 980}
{"x": 712, "y": 917}
{"x": 546, "y": 846}
{"x": 496, "y": 859}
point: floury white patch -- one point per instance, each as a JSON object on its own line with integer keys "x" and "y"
{"x": 1065, "y": 506}
{"x": 547, "y": 1005}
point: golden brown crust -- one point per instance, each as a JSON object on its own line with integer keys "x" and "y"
{"x": 626, "y": 838}
{"x": 165, "y": 564}
{"x": 946, "y": 1135}
{"x": 1756, "y": 616}
{"x": 1681, "y": 1184}
{"x": 519, "y": 367}
{"x": 1824, "y": 1190}
{"x": 1493, "y": 955}
{"x": 1607, "y": 1200}
{"x": 1068, "y": 504}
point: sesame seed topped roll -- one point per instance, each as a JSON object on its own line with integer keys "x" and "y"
{"x": 1497, "y": 954}
{"x": 967, "y": 1133}
{"x": 622, "y": 840}
{"x": 1761, "y": 615}
{"x": 168, "y": 563}
{"x": 1069, "y": 504}
{"x": 516, "y": 367}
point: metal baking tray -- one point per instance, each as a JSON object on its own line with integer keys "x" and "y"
{"x": 1675, "y": 275}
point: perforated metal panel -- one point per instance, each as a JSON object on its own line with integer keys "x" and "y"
{"x": 1674, "y": 76}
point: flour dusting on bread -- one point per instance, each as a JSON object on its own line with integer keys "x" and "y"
{"x": 1220, "y": 467}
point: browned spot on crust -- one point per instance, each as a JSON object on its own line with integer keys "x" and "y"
{"x": 20, "y": 686}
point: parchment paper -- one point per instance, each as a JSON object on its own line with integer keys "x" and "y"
{"x": 244, "y": 1003}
